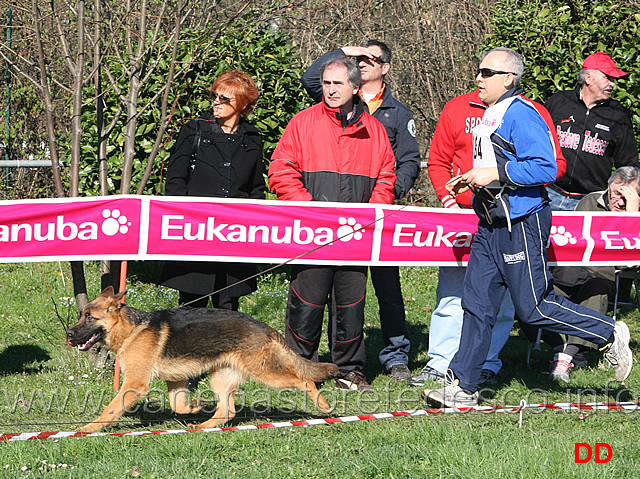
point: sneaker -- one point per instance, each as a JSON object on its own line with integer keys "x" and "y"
{"x": 400, "y": 372}
{"x": 619, "y": 354}
{"x": 560, "y": 367}
{"x": 580, "y": 361}
{"x": 426, "y": 374}
{"x": 488, "y": 378}
{"x": 354, "y": 381}
{"x": 452, "y": 395}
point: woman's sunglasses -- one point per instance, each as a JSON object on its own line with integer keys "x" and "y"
{"x": 223, "y": 99}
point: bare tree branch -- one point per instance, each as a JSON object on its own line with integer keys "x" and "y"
{"x": 46, "y": 96}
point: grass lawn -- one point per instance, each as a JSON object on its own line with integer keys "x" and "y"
{"x": 47, "y": 386}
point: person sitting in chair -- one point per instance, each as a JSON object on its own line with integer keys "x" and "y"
{"x": 593, "y": 287}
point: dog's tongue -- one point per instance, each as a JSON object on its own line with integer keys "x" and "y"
{"x": 90, "y": 342}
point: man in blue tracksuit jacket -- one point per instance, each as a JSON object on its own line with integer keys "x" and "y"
{"x": 513, "y": 158}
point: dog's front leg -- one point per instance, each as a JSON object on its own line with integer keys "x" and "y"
{"x": 129, "y": 394}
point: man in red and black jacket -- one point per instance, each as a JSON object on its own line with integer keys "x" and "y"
{"x": 374, "y": 60}
{"x": 595, "y": 131}
{"x": 333, "y": 151}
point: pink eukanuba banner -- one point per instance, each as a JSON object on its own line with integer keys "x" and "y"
{"x": 185, "y": 228}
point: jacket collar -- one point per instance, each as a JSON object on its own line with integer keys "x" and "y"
{"x": 340, "y": 115}
{"x": 476, "y": 101}
{"x": 578, "y": 92}
{"x": 387, "y": 97}
{"x": 603, "y": 199}
{"x": 388, "y": 101}
{"x": 244, "y": 127}
{"x": 509, "y": 93}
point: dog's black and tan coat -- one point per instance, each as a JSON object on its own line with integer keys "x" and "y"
{"x": 175, "y": 344}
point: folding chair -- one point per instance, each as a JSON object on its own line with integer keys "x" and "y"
{"x": 634, "y": 299}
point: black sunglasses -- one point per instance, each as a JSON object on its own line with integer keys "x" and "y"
{"x": 222, "y": 98}
{"x": 488, "y": 72}
{"x": 367, "y": 59}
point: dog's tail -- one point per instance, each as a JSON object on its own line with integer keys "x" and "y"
{"x": 306, "y": 369}
{"x": 313, "y": 371}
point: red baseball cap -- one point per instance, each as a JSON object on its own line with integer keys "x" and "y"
{"x": 603, "y": 62}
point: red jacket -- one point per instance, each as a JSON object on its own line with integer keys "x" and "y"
{"x": 320, "y": 158}
{"x": 451, "y": 150}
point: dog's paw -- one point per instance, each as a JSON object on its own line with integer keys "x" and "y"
{"x": 196, "y": 405}
{"x": 91, "y": 427}
{"x": 213, "y": 422}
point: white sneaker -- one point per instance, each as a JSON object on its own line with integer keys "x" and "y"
{"x": 560, "y": 367}
{"x": 426, "y": 374}
{"x": 452, "y": 395}
{"x": 619, "y": 354}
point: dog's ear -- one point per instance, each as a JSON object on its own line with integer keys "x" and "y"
{"x": 119, "y": 297}
{"x": 108, "y": 291}
{"x": 117, "y": 301}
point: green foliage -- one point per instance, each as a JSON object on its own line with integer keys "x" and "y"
{"x": 265, "y": 55}
{"x": 555, "y": 36}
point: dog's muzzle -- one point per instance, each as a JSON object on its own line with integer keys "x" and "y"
{"x": 83, "y": 343}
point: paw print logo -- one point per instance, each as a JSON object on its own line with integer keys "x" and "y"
{"x": 349, "y": 229}
{"x": 114, "y": 222}
{"x": 562, "y": 237}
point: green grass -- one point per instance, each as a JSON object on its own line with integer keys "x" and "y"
{"x": 46, "y": 386}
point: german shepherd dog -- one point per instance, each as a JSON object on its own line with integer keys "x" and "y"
{"x": 175, "y": 344}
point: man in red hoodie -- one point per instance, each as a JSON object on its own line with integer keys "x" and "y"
{"x": 451, "y": 154}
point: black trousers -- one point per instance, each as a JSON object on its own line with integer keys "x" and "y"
{"x": 309, "y": 291}
{"x": 386, "y": 282}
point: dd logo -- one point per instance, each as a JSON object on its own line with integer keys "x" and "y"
{"x": 589, "y": 452}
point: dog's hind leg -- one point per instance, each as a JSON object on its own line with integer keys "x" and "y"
{"x": 282, "y": 380}
{"x": 318, "y": 399}
{"x": 224, "y": 383}
{"x": 179, "y": 398}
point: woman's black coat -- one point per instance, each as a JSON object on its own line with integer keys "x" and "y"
{"x": 225, "y": 166}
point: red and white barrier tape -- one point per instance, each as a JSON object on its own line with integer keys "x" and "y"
{"x": 25, "y": 436}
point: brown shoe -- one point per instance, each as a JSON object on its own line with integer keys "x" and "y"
{"x": 354, "y": 381}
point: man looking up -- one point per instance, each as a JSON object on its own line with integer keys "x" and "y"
{"x": 374, "y": 60}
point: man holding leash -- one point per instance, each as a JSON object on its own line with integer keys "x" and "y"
{"x": 513, "y": 158}
{"x": 374, "y": 61}
{"x": 333, "y": 151}
{"x": 451, "y": 152}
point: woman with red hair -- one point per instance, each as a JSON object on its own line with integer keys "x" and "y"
{"x": 217, "y": 155}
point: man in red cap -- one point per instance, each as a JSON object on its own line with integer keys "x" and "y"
{"x": 595, "y": 132}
